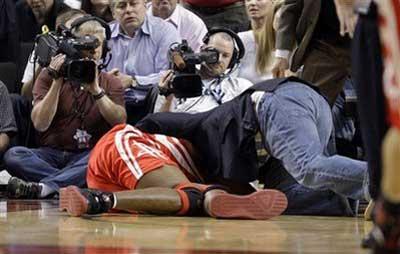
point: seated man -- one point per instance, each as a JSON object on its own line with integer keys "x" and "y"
{"x": 218, "y": 85}
{"x": 22, "y": 104}
{"x": 139, "y": 43}
{"x": 70, "y": 117}
{"x": 160, "y": 175}
{"x": 188, "y": 24}
{"x": 296, "y": 125}
{"x": 33, "y": 14}
{"x": 8, "y": 126}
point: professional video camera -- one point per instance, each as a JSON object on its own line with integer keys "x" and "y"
{"x": 186, "y": 82}
{"x": 76, "y": 67}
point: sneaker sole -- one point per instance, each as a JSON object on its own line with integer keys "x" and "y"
{"x": 260, "y": 205}
{"x": 72, "y": 201}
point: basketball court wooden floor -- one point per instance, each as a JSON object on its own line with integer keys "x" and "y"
{"x": 38, "y": 227}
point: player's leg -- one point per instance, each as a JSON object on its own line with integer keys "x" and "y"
{"x": 154, "y": 193}
{"x": 386, "y": 233}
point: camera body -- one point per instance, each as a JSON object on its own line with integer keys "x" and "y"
{"x": 76, "y": 67}
{"x": 186, "y": 82}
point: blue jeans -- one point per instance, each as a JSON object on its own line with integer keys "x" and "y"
{"x": 303, "y": 200}
{"x": 55, "y": 168}
{"x": 296, "y": 123}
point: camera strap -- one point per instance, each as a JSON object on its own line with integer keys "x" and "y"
{"x": 81, "y": 135}
{"x": 215, "y": 90}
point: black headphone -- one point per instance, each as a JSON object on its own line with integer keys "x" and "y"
{"x": 79, "y": 21}
{"x": 238, "y": 47}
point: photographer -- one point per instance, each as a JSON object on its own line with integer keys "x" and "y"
{"x": 70, "y": 117}
{"x": 218, "y": 85}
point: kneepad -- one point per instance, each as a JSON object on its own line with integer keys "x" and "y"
{"x": 192, "y": 197}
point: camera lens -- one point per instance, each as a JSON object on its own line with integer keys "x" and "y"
{"x": 82, "y": 71}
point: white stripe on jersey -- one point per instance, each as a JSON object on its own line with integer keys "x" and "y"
{"x": 122, "y": 143}
{"x": 124, "y": 139}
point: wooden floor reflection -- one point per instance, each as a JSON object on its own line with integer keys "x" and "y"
{"x": 38, "y": 227}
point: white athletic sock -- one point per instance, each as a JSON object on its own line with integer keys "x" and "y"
{"x": 46, "y": 190}
{"x": 115, "y": 201}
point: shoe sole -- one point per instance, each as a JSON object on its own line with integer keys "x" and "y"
{"x": 260, "y": 205}
{"x": 72, "y": 201}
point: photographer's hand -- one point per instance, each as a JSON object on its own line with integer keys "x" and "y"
{"x": 166, "y": 79}
{"x": 56, "y": 63}
{"x": 94, "y": 87}
{"x": 164, "y": 84}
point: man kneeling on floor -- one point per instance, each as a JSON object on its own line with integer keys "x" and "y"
{"x": 160, "y": 175}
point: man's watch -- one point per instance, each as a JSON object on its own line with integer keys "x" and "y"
{"x": 53, "y": 73}
{"x": 99, "y": 95}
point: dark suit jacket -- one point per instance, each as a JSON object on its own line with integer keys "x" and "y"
{"x": 296, "y": 26}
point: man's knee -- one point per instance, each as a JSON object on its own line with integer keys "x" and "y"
{"x": 192, "y": 198}
{"x": 13, "y": 157}
{"x": 14, "y": 154}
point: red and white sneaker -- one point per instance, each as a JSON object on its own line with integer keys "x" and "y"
{"x": 259, "y": 205}
{"x": 78, "y": 201}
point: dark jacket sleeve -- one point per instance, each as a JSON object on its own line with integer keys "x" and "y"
{"x": 286, "y": 30}
{"x": 180, "y": 125}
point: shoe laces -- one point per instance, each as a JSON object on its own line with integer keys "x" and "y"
{"x": 99, "y": 202}
{"x": 28, "y": 190}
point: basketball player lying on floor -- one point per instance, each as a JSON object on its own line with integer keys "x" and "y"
{"x": 132, "y": 170}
